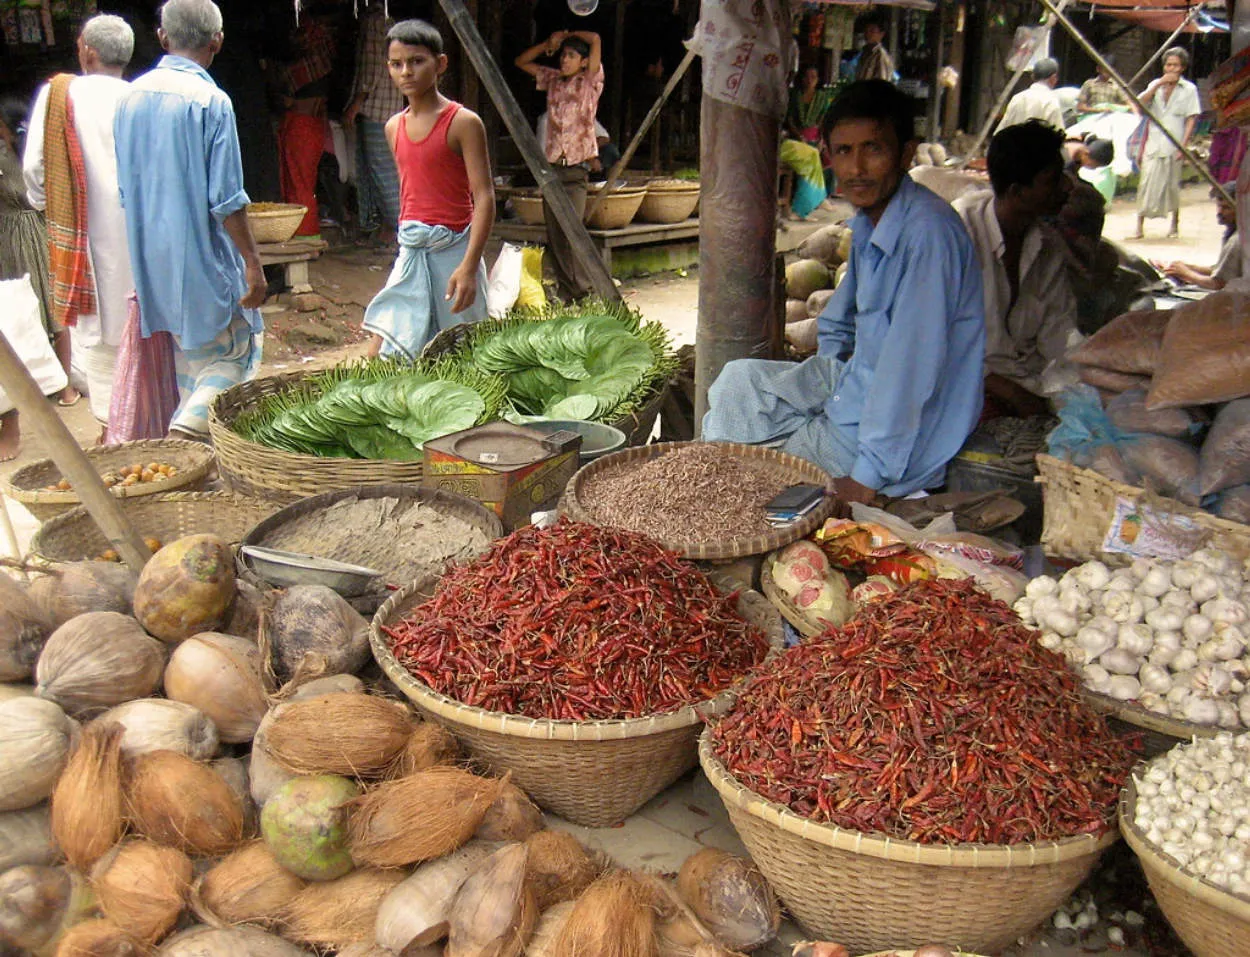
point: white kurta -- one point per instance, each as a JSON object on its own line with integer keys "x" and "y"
{"x": 1038, "y": 102}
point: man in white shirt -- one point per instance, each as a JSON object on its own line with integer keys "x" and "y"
{"x": 1030, "y": 310}
{"x": 105, "y": 46}
{"x": 1039, "y": 101}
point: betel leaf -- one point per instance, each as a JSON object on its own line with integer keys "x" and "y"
{"x": 379, "y": 442}
{"x": 573, "y": 407}
{"x": 438, "y": 408}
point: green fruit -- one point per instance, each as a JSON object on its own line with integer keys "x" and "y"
{"x": 305, "y": 826}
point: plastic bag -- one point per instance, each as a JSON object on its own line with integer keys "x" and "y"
{"x": 998, "y": 581}
{"x": 1128, "y": 413}
{"x": 1170, "y": 463}
{"x": 531, "y": 295}
{"x": 1206, "y": 353}
{"x": 1234, "y": 504}
{"x": 22, "y": 326}
{"x": 1111, "y": 381}
{"x": 145, "y": 384}
{"x": 1225, "y": 457}
{"x": 1128, "y": 343}
{"x": 503, "y": 285}
{"x": 1083, "y": 426}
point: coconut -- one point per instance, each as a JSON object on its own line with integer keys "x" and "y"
{"x": 87, "y": 800}
{"x": 805, "y": 276}
{"x": 38, "y": 903}
{"x": 98, "y": 938}
{"x": 142, "y": 887}
{"x": 23, "y": 630}
{"x": 817, "y": 301}
{"x": 342, "y": 912}
{"x": 796, "y": 310}
{"x": 731, "y": 897}
{"x": 175, "y": 801}
{"x": 428, "y": 746}
{"x": 613, "y": 918}
{"x": 543, "y": 941}
{"x": 305, "y": 826}
{"x": 220, "y": 675}
{"x": 77, "y": 588}
{"x": 157, "y": 724}
{"x": 248, "y": 886}
{"x": 201, "y": 941}
{"x": 356, "y": 734}
{"x": 418, "y": 911}
{"x": 243, "y": 619}
{"x": 822, "y": 245}
{"x": 512, "y": 817}
{"x": 309, "y": 631}
{"x": 26, "y": 837}
{"x": 560, "y": 867}
{"x": 8, "y": 691}
{"x": 264, "y": 774}
{"x": 35, "y": 738}
{"x": 186, "y": 588}
{"x": 679, "y": 933}
{"x": 98, "y": 660}
{"x": 234, "y": 772}
{"x": 420, "y": 817}
{"x": 494, "y": 913}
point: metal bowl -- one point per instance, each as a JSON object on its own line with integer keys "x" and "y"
{"x": 284, "y": 569}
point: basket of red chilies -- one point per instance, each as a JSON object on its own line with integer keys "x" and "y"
{"x": 582, "y": 659}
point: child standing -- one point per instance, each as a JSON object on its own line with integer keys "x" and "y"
{"x": 447, "y": 203}
{"x": 573, "y": 93}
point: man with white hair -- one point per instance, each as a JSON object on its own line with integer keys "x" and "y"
{"x": 1039, "y": 101}
{"x": 69, "y": 153}
{"x": 196, "y": 267}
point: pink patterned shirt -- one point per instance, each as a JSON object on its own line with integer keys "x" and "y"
{"x": 571, "y": 107}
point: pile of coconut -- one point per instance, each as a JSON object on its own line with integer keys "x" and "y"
{"x": 193, "y": 769}
{"x": 811, "y": 281}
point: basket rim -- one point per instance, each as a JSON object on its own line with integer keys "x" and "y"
{"x": 546, "y": 729}
{"x": 894, "y": 849}
{"x": 1148, "y": 720}
{"x": 289, "y": 209}
{"x": 1167, "y": 867}
{"x": 201, "y": 455}
{"x": 789, "y": 611}
{"x": 731, "y": 548}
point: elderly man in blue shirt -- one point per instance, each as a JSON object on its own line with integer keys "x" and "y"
{"x": 196, "y": 267}
{"x": 895, "y": 387}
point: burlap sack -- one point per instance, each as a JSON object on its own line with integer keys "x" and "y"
{"x": 1206, "y": 353}
{"x": 1225, "y": 458}
{"x": 1129, "y": 343}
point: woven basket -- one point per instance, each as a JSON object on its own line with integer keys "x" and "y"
{"x": 593, "y": 773}
{"x": 74, "y": 536}
{"x": 781, "y": 601}
{"x": 275, "y": 222}
{"x": 1079, "y": 505}
{"x": 529, "y": 208}
{"x": 1158, "y": 732}
{"x": 797, "y": 469}
{"x": 256, "y": 470}
{"x": 1210, "y": 920}
{"x": 194, "y": 461}
{"x": 870, "y": 893}
{"x": 668, "y": 205}
{"x": 616, "y": 210}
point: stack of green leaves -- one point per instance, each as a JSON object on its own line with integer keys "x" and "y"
{"x": 379, "y": 409}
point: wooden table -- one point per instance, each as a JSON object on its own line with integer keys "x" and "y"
{"x": 606, "y": 240}
{"x": 294, "y": 256}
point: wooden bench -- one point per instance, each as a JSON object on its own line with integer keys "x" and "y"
{"x": 294, "y": 258}
{"x": 605, "y": 240}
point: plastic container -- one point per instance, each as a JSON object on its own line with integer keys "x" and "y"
{"x": 597, "y": 438}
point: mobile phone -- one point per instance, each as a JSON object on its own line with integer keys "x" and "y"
{"x": 795, "y": 500}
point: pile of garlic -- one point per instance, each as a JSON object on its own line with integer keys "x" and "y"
{"x": 1173, "y": 636}
{"x": 1193, "y": 804}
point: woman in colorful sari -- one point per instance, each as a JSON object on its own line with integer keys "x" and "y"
{"x": 801, "y": 149}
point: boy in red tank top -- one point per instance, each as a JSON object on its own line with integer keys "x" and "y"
{"x": 447, "y": 203}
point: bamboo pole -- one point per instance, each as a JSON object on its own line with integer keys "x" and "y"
{"x": 70, "y": 459}
{"x": 553, "y": 190}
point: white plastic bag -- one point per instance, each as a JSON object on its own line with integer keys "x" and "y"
{"x": 21, "y": 325}
{"x": 503, "y": 285}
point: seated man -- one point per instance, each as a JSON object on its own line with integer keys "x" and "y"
{"x": 1029, "y": 306}
{"x": 895, "y": 387}
{"x": 1228, "y": 266}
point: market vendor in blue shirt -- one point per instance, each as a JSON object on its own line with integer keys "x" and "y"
{"x": 896, "y": 385}
{"x": 197, "y": 270}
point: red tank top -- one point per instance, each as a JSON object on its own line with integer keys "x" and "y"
{"x": 433, "y": 182}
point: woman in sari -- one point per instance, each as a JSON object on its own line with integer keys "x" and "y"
{"x": 801, "y": 150}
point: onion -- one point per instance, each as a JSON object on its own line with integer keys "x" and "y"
{"x": 38, "y": 903}
{"x": 220, "y": 675}
{"x": 26, "y": 837}
{"x": 35, "y": 738}
{"x": 157, "y": 724}
{"x": 98, "y": 660}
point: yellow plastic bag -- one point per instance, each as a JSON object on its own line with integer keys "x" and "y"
{"x": 531, "y": 295}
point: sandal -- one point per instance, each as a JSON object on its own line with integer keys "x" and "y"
{"x": 67, "y": 403}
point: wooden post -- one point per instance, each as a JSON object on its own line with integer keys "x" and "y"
{"x": 935, "y": 87}
{"x": 950, "y": 119}
{"x": 618, "y": 73}
{"x": 70, "y": 459}
{"x": 553, "y": 190}
{"x": 469, "y": 87}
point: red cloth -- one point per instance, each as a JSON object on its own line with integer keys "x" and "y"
{"x": 433, "y": 181}
{"x": 301, "y": 140}
{"x": 145, "y": 384}
{"x": 65, "y": 180}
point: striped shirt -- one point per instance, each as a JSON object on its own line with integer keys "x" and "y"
{"x": 382, "y": 100}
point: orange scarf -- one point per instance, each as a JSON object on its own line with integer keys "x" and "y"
{"x": 65, "y": 181}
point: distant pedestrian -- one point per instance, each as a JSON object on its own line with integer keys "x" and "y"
{"x": 1039, "y": 101}
{"x": 1174, "y": 100}
{"x": 875, "y": 62}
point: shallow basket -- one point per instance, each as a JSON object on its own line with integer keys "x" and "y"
{"x": 256, "y": 470}
{"x": 800, "y": 469}
{"x": 616, "y": 210}
{"x": 74, "y": 536}
{"x": 1079, "y": 503}
{"x": 871, "y": 893}
{"x": 529, "y": 208}
{"x": 593, "y": 773}
{"x": 1158, "y": 732}
{"x": 668, "y": 205}
{"x": 275, "y": 222}
{"x": 194, "y": 461}
{"x": 1210, "y": 920}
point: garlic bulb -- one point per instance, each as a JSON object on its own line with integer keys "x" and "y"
{"x": 35, "y": 738}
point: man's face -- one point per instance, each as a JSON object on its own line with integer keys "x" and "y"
{"x": 414, "y": 69}
{"x": 1225, "y": 213}
{"x": 1172, "y": 69}
{"x": 873, "y": 33}
{"x": 571, "y": 62}
{"x": 1048, "y": 192}
{"x": 869, "y": 162}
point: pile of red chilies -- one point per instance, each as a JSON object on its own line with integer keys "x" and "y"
{"x": 577, "y": 622}
{"x": 932, "y": 716}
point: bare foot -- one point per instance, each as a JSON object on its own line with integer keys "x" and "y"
{"x": 69, "y": 396}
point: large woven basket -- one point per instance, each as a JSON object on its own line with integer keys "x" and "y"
{"x": 1079, "y": 503}
{"x": 799, "y": 470}
{"x": 74, "y": 536}
{"x": 250, "y": 468}
{"x": 193, "y": 460}
{"x": 593, "y": 773}
{"x": 1158, "y": 732}
{"x": 275, "y": 222}
{"x": 1210, "y": 920}
{"x": 669, "y": 203}
{"x": 616, "y": 210}
{"x": 871, "y": 893}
